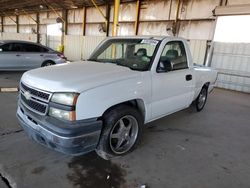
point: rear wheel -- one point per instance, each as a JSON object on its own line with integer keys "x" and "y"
{"x": 121, "y": 132}
{"x": 201, "y": 99}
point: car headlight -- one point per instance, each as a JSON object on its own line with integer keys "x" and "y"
{"x": 65, "y": 98}
{"x": 62, "y": 114}
{"x": 64, "y": 106}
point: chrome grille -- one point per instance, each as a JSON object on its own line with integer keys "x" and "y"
{"x": 38, "y": 107}
{"x": 40, "y": 94}
{"x": 34, "y": 99}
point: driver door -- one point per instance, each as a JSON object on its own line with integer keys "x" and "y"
{"x": 172, "y": 82}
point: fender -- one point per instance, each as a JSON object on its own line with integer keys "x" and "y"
{"x": 94, "y": 102}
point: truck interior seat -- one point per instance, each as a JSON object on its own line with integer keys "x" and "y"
{"x": 141, "y": 52}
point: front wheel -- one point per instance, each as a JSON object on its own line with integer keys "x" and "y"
{"x": 121, "y": 132}
{"x": 201, "y": 99}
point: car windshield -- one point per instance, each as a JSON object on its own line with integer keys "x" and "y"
{"x": 136, "y": 54}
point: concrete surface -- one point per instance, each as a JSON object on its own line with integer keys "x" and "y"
{"x": 209, "y": 149}
{"x": 10, "y": 79}
{"x": 8, "y": 121}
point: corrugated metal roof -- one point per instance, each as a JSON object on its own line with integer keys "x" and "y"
{"x": 13, "y": 7}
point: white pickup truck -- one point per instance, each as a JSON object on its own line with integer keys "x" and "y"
{"x": 102, "y": 104}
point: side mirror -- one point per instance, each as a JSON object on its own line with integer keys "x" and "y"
{"x": 164, "y": 66}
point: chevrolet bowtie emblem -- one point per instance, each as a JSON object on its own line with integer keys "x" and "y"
{"x": 27, "y": 95}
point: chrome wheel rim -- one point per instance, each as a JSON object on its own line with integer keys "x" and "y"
{"x": 202, "y": 98}
{"x": 124, "y": 134}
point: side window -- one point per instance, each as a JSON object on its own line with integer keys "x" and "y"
{"x": 173, "y": 57}
{"x": 32, "y": 48}
{"x": 42, "y": 49}
{"x": 17, "y": 47}
{"x": 5, "y": 48}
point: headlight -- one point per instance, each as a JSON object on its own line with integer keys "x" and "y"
{"x": 62, "y": 114}
{"x": 65, "y": 98}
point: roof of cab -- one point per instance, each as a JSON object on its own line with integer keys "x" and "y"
{"x": 160, "y": 38}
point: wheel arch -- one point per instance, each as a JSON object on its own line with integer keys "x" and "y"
{"x": 138, "y": 104}
{"x": 48, "y": 61}
{"x": 206, "y": 85}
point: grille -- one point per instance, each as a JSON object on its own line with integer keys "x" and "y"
{"x": 36, "y": 93}
{"x": 38, "y": 107}
{"x": 36, "y": 101}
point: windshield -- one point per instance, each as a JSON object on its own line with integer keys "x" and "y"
{"x": 136, "y": 54}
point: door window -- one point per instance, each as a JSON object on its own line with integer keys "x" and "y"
{"x": 33, "y": 48}
{"x": 5, "y": 48}
{"x": 16, "y": 47}
{"x": 173, "y": 57}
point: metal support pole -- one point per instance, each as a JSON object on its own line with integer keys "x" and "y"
{"x": 84, "y": 21}
{"x": 17, "y": 23}
{"x": 37, "y": 27}
{"x": 116, "y": 16}
{"x": 176, "y": 17}
{"x": 138, "y": 7}
{"x": 64, "y": 25}
{"x": 2, "y": 29}
{"x": 107, "y": 16}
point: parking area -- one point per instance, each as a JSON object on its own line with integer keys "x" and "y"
{"x": 188, "y": 149}
{"x": 114, "y": 79}
{"x": 10, "y": 79}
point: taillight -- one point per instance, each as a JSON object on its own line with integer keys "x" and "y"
{"x": 61, "y": 56}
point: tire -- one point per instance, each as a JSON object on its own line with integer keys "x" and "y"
{"x": 201, "y": 99}
{"x": 121, "y": 132}
{"x": 47, "y": 63}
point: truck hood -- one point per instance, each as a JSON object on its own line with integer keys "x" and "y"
{"x": 76, "y": 77}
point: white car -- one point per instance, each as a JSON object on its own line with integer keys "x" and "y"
{"x": 23, "y": 55}
{"x": 102, "y": 104}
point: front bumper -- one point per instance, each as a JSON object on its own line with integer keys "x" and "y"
{"x": 74, "y": 138}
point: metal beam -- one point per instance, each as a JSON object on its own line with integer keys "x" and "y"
{"x": 28, "y": 15}
{"x": 100, "y": 11}
{"x": 2, "y": 26}
{"x": 116, "y": 17}
{"x": 138, "y": 8}
{"x": 37, "y": 27}
{"x": 54, "y": 10}
{"x": 108, "y": 17}
{"x": 232, "y": 10}
{"x": 84, "y": 21}
{"x": 176, "y": 17}
{"x": 17, "y": 23}
{"x": 9, "y": 17}
{"x": 64, "y": 25}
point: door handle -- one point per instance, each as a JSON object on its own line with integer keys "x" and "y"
{"x": 18, "y": 55}
{"x": 189, "y": 77}
{"x": 41, "y": 55}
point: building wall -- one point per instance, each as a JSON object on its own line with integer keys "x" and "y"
{"x": 195, "y": 23}
{"x": 232, "y": 60}
{"x": 195, "y": 19}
